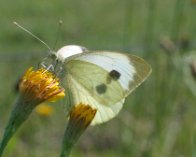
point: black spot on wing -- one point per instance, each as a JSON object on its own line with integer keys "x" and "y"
{"x": 115, "y": 75}
{"x": 101, "y": 89}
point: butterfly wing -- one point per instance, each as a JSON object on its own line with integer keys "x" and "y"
{"x": 103, "y": 80}
{"x": 80, "y": 94}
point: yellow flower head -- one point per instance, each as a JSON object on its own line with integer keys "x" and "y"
{"x": 80, "y": 118}
{"x": 39, "y": 86}
{"x": 35, "y": 87}
{"x": 44, "y": 110}
{"x": 82, "y": 115}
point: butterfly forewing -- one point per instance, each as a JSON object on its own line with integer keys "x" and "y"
{"x": 104, "y": 79}
{"x": 96, "y": 81}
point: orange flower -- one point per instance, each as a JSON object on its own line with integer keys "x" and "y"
{"x": 41, "y": 85}
{"x": 35, "y": 87}
{"x": 80, "y": 118}
{"x": 82, "y": 115}
{"x": 44, "y": 110}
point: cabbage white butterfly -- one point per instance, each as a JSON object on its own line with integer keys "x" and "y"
{"x": 102, "y": 79}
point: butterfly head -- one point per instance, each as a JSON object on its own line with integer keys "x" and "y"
{"x": 55, "y": 60}
{"x": 52, "y": 64}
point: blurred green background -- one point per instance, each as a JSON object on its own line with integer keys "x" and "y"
{"x": 158, "y": 119}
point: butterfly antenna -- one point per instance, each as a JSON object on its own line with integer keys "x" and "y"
{"x": 58, "y": 32}
{"x": 27, "y": 31}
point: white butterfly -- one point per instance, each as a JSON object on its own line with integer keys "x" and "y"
{"x": 102, "y": 79}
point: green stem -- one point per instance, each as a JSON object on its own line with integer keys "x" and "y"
{"x": 128, "y": 19}
{"x": 67, "y": 147}
{"x": 9, "y": 131}
{"x": 149, "y": 36}
{"x": 71, "y": 136}
{"x": 177, "y": 18}
{"x": 19, "y": 114}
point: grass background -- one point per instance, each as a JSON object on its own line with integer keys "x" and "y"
{"x": 158, "y": 119}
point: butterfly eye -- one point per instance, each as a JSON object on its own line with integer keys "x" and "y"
{"x": 47, "y": 62}
{"x": 52, "y": 64}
